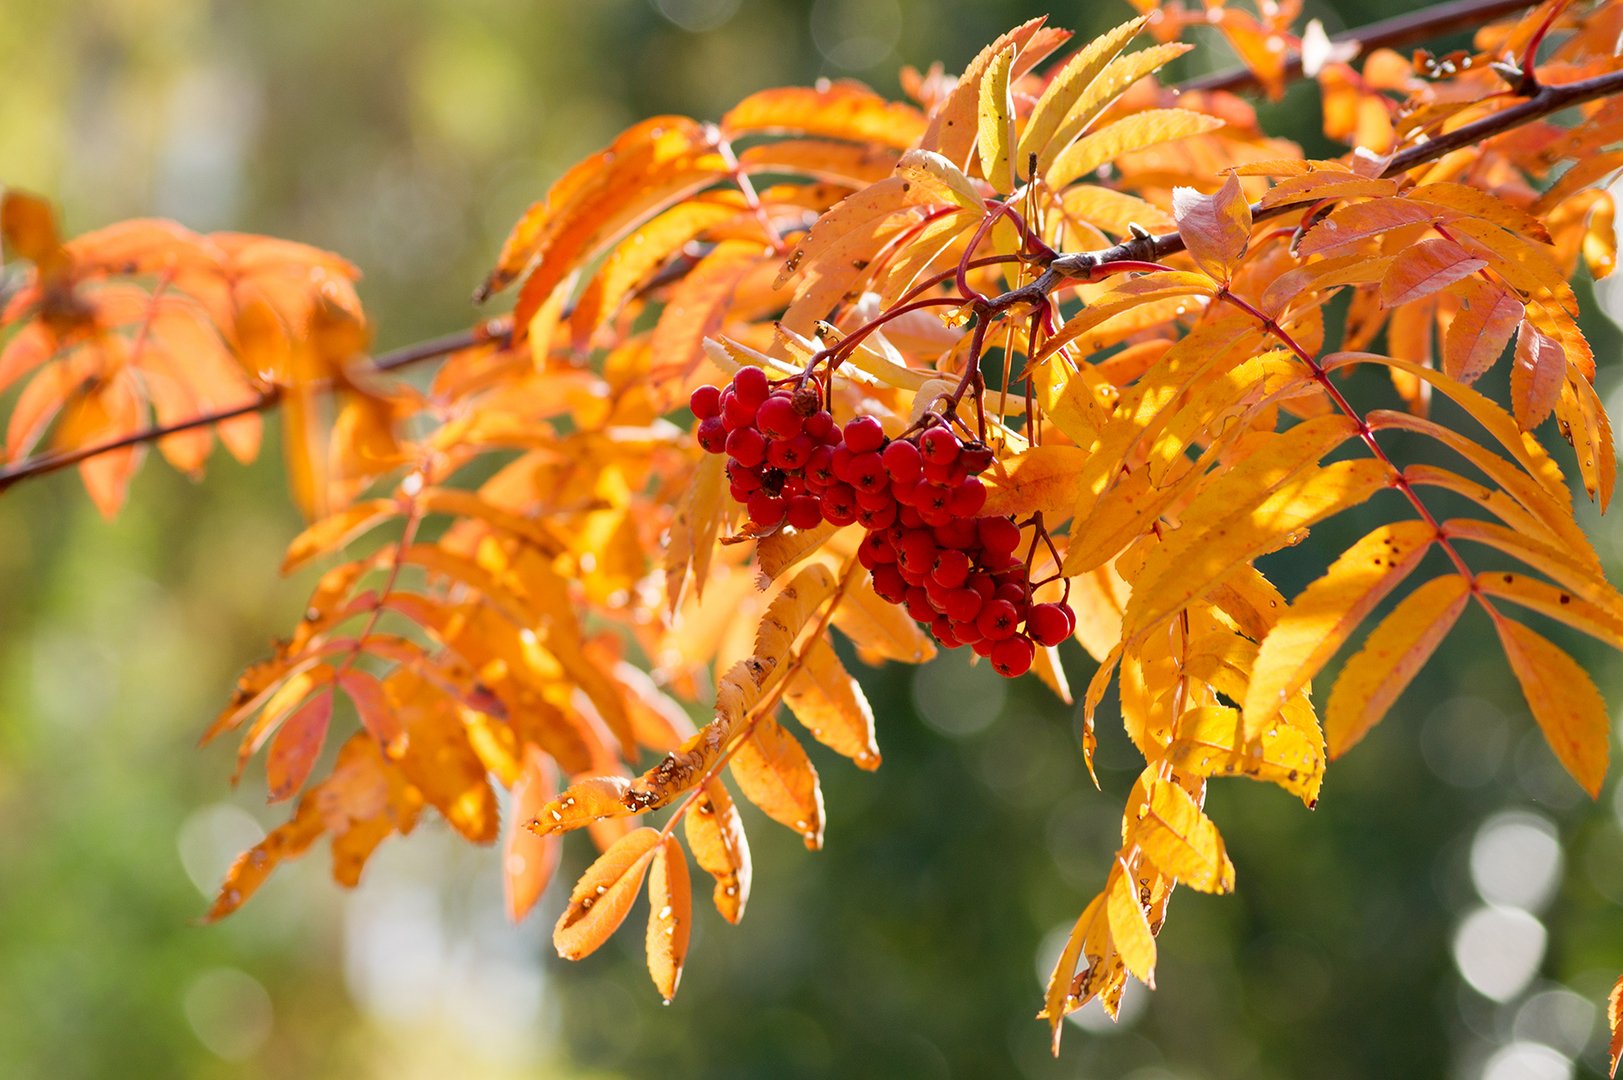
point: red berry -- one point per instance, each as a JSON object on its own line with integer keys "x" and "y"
{"x": 942, "y": 628}
{"x": 875, "y": 551}
{"x": 983, "y": 646}
{"x": 777, "y": 418}
{"x": 766, "y": 509}
{"x": 819, "y": 425}
{"x": 967, "y": 498}
{"x": 1012, "y": 591}
{"x": 878, "y": 517}
{"x": 1047, "y": 624}
{"x": 963, "y": 605}
{"x": 938, "y": 444}
{"x": 889, "y": 584}
{"x": 909, "y": 518}
{"x": 747, "y": 447}
{"x": 999, "y": 534}
{"x": 1070, "y": 619}
{"x": 839, "y": 505}
{"x": 840, "y": 463}
{"x": 902, "y": 461}
{"x": 868, "y": 473}
{"x": 942, "y": 472}
{"x": 737, "y": 413}
{"x": 960, "y": 533}
{"x": 790, "y": 454}
{"x": 751, "y": 386}
{"x": 712, "y": 435}
{"x": 918, "y": 605}
{"x": 804, "y": 512}
{"x": 864, "y": 434}
{"x": 997, "y": 619}
{"x": 1012, "y": 656}
{"x": 951, "y": 567}
{"x": 705, "y": 402}
{"x": 965, "y": 630}
{"x": 740, "y": 475}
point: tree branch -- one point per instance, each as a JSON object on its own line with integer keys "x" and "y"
{"x": 1548, "y": 100}
{"x": 491, "y": 330}
{"x": 1388, "y": 33}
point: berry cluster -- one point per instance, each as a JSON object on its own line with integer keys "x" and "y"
{"x": 919, "y": 497}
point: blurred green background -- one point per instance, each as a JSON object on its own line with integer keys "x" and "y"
{"x": 1450, "y": 909}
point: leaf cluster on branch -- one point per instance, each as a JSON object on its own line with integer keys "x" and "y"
{"x": 1140, "y": 325}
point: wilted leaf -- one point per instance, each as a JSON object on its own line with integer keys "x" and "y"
{"x": 1215, "y": 228}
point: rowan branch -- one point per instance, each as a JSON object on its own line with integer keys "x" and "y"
{"x": 490, "y": 331}
{"x": 1407, "y": 29}
{"x": 1547, "y": 100}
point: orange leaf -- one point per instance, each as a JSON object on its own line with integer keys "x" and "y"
{"x": 1210, "y": 741}
{"x": 1564, "y": 702}
{"x": 1215, "y": 228}
{"x": 1360, "y": 221}
{"x": 1424, "y": 268}
{"x": 1180, "y": 839}
{"x": 336, "y": 530}
{"x": 1043, "y": 478}
{"x": 581, "y": 803}
{"x": 28, "y": 227}
{"x": 670, "y": 917}
{"x": 1391, "y": 657}
{"x": 528, "y": 860}
{"x": 1477, "y": 336}
{"x": 297, "y": 744}
{"x": 775, "y": 774}
{"x": 1614, "y": 1021}
{"x": 1539, "y": 370}
{"x": 252, "y": 867}
{"x": 715, "y": 832}
{"x": 604, "y": 895}
{"x": 1602, "y": 622}
{"x": 840, "y": 110}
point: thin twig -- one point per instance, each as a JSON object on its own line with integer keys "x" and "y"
{"x": 1388, "y": 33}
{"x": 492, "y": 330}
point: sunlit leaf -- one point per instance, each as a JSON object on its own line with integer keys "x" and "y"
{"x": 670, "y": 917}
{"x": 1564, "y": 702}
{"x": 604, "y": 895}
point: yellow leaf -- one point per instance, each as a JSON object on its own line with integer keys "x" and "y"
{"x": 786, "y": 548}
{"x": 1042, "y": 479}
{"x": 790, "y": 611}
{"x": 1096, "y": 96}
{"x": 1392, "y": 655}
{"x": 1564, "y": 702}
{"x": 939, "y": 175}
{"x": 1128, "y": 926}
{"x": 1210, "y": 741}
{"x": 775, "y": 774}
{"x": 670, "y": 917}
{"x": 1480, "y": 204}
{"x": 1152, "y": 127}
{"x": 878, "y": 629}
{"x": 952, "y": 128}
{"x": 1183, "y": 841}
{"x": 715, "y": 833}
{"x": 693, "y": 531}
{"x": 1066, "y": 87}
{"x": 830, "y": 704}
{"x": 993, "y": 133}
{"x": 1115, "y": 212}
{"x": 336, "y": 530}
{"x": 604, "y": 894}
{"x": 1322, "y": 618}
{"x": 1194, "y": 559}
{"x": 875, "y": 202}
{"x": 1057, "y": 999}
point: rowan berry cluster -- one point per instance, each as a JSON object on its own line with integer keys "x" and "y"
{"x": 919, "y": 497}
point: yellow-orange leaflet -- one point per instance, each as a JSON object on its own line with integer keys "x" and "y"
{"x": 1325, "y": 614}
{"x": 774, "y": 773}
{"x": 1391, "y": 657}
{"x": 604, "y": 894}
{"x": 1183, "y": 841}
{"x": 670, "y": 917}
{"x": 715, "y": 833}
{"x": 1564, "y": 701}
{"x": 830, "y": 704}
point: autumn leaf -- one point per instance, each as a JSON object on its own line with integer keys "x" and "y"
{"x": 1392, "y": 656}
{"x": 1564, "y": 702}
{"x": 604, "y": 894}
{"x": 775, "y": 774}
{"x": 715, "y": 833}
{"x": 670, "y": 916}
{"x": 1215, "y": 228}
{"x": 528, "y": 859}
